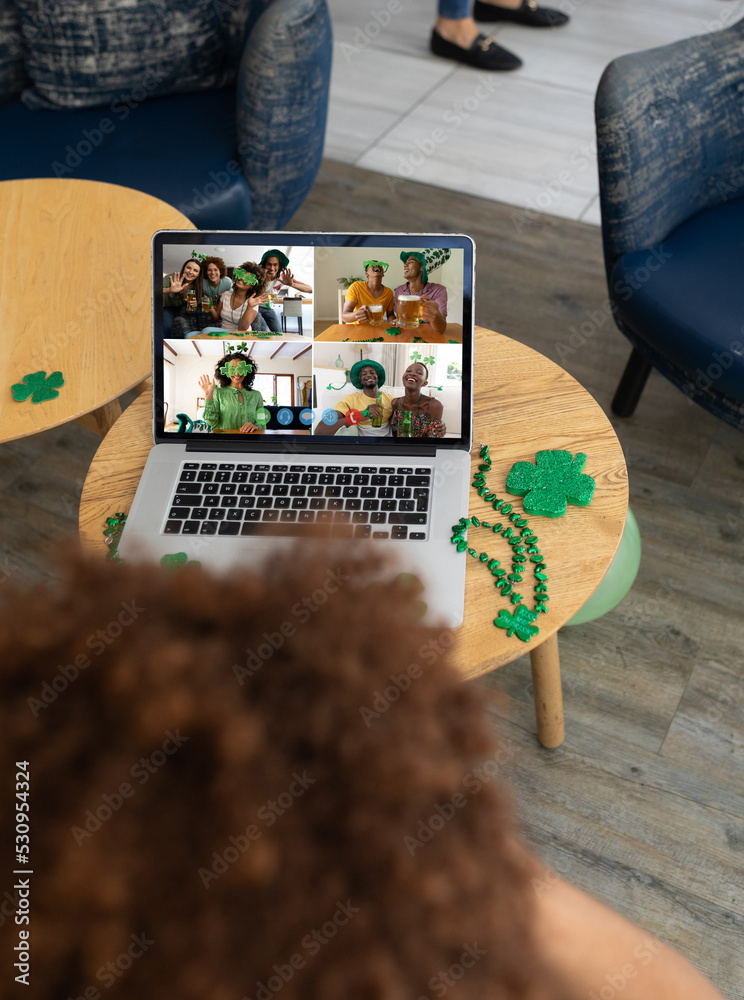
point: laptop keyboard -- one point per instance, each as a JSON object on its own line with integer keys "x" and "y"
{"x": 350, "y": 501}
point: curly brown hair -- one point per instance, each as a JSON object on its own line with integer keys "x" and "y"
{"x": 215, "y": 260}
{"x": 224, "y": 381}
{"x": 260, "y": 272}
{"x": 248, "y": 785}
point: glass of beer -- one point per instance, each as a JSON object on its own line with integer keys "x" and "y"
{"x": 206, "y": 303}
{"x": 191, "y": 300}
{"x": 408, "y": 310}
{"x": 375, "y": 315}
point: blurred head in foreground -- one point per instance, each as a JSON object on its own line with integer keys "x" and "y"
{"x": 251, "y": 786}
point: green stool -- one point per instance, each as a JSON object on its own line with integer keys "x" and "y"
{"x": 619, "y": 577}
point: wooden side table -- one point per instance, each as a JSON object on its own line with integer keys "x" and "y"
{"x": 75, "y": 296}
{"x": 524, "y": 403}
{"x": 365, "y": 331}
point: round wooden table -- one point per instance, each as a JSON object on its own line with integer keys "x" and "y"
{"x": 365, "y": 331}
{"x": 523, "y": 403}
{"x": 75, "y": 296}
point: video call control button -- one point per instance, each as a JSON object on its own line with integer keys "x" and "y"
{"x": 284, "y": 416}
{"x": 307, "y": 417}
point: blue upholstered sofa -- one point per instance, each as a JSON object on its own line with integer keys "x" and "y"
{"x": 217, "y": 107}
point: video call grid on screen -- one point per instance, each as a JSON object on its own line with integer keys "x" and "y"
{"x": 301, "y": 370}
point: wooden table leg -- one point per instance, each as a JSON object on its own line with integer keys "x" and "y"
{"x": 546, "y": 682}
{"x": 103, "y": 419}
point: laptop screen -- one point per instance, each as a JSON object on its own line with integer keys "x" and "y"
{"x": 319, "y": 340}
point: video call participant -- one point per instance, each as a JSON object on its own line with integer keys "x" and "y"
{"x": 215, "y": 279}
{"x": 272, "y": 262}
{"x": 433, "y": 296}
{"x": 237, "y": 309}
{"x": 367, "y": 376}
{"x": 182, "y": 295}
{"x": 416, "y": 415}
{"x": 398, "y": 859}
{"x": 361, "y": 295}
{"x": 232, "y": 404}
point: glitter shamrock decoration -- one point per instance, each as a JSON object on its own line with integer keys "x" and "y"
{"x": 518, "y": 622}
{"x": 236, "y": 368}
{"x": 198, "y": 256}
{"x": 553, "y": 482}
{"x": 394, "y": 331}
{"x": 247, "y": 277}
{"x": 38, "y": 386}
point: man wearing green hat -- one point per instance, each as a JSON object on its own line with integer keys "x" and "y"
{"x": 433, "y": 296}
{"x": 274, "y": 262}
{"x": 367, "y": 377}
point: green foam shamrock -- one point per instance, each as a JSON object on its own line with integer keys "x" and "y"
{"x": 394, "y": 331}
{"x": 415, "y": 356}
{"x": 236, "y": 368}
{"x": 552, "y": 483}
{"x": 518, "y": 622}
{"x": 38, "y": 386}
{"x": 247, "y": 277}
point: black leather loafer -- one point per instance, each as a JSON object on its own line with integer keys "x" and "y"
{"x": 484, "y": 53}
{"x": 529, "y": 13}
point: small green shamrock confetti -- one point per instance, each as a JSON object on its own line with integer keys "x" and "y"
{"x": 518, "y": 622}
{"x": 38, "y": 386}
{"x": 555, "y": 481}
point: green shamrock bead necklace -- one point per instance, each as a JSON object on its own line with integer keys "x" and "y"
{"x": 523, "y": 542}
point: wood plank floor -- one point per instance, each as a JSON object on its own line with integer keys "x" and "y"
{"x": 644, "y": 804}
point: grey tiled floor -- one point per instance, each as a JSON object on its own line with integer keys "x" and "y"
{"x": 525, "y": 138}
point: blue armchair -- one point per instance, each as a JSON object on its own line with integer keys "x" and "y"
{"x": 241, "y": 154}
{"x": 670, "y": 146}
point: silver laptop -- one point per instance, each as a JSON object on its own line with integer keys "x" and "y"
{"x": 285, "y": 403}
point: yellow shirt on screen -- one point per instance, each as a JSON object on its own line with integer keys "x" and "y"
{"x": 360, "y": 401}
{"x": 360, "y": 294}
